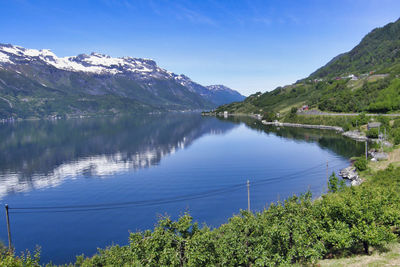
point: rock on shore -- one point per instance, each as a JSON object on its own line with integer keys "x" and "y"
{"x": 356, "y": 135}
{"x": 350, "y": 173}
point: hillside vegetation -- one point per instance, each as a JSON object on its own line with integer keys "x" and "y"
{"x": 364, "y": 79}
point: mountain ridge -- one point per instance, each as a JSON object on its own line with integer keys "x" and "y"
{"x": 31, "y": 77}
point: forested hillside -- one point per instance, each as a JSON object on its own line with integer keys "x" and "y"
{"x": 364, "y": 79}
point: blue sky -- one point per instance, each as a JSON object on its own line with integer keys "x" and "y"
{"x": 249, "y": 46}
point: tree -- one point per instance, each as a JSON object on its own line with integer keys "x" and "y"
{"x": 335, "y": 184}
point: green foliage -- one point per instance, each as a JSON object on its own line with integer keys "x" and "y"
{"x": 269, "y": 116}
{"x": 361, "y": 164}
{"x": 378, "y": 50}
{"x": 299, "y": 230}
{"x": 360, "y": 120}
{"x": 396, "y": 136}
{"x": 293, "y": 114}
{"x": 25, "y": 260}
{"x": 335, "y": 185}
{"x": 372, "y": 133}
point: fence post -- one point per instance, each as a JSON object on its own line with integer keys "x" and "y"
{"x": 8, "y": 229}
{"x": 248, "y": 195}
{"x": 327, "y": 177}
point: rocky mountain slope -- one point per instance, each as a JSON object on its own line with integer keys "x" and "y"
{"x": 220, "y": 94}
{"x": 367, "y": 78}
{"x": 37, "y": 83}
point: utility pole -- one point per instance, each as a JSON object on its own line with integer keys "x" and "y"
{"x": 248, "y": 195}
{"x": 366, "y": 150}
{"x": 327, "y": 177}
{"x": 8, "y": 229}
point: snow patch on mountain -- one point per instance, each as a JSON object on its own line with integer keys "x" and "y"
{"x": 93, "y": 63}
{"x": 143, "y": 72}
{"x": 219, "y": 87}
{"x": 4, "y": 58}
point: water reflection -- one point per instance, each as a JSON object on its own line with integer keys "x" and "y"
{"x": 43, "y": 154}
{"x": 326, "y": 139}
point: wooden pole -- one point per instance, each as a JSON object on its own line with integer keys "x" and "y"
{"x": 248, "y": 195}
{"x": 8, "y": 229}
{"x": 327, "y": 177}
{"x": 366, "y": 150}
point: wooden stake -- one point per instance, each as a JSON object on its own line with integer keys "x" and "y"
{"x": 327, "y": 177}
{"x": 8, "y": 229}
{"x": 248, "y": 195}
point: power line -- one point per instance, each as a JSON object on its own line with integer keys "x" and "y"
{"x": 107, "y": 206}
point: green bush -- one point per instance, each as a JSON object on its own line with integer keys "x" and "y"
{"x": 396, "y": 136}
{"x": 269, "y": 116}
{"x": 361, "y": 164}
{"x": 372, "y": 133}
{"x": 396, "y": 123}
{"x": 335, "y": 184}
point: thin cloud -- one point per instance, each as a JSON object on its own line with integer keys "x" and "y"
{"x": 263, "y": 21}
{"x": 193, "y": 16}
{"x": 119, "y": 3}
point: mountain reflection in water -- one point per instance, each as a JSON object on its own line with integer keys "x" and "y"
{"x": 43, "y": 154}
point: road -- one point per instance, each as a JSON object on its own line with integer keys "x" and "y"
{"x": 315, "y": 112}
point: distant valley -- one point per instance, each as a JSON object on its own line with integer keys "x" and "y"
{"x": 37, "y": 83}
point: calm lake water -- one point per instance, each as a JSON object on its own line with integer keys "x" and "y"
{"x": 94, "y": 180}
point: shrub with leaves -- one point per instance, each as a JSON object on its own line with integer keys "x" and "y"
{"x": 372, "y": 133}
{"x": 361, "y": 164}
{"x": 335, "y": 184}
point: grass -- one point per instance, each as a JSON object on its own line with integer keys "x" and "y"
{"x": 388, "y": 256}
{"x": 287, "y": 109}
{"x": 394, "y": 159}
{"x": 354, "y": 85}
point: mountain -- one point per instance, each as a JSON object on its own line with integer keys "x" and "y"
{"x": 363, "y": 79}
{"x": 37, "y": 83}
{"x": 220, "y": 94}
{"x": 378, "y": 50}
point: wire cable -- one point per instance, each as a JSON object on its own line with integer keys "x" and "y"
{"x": 108, "y": 206}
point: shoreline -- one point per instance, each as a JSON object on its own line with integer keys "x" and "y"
{"x": 348, "y": 173}
{"x": 299, "y": 125}
{"x": 355, "y": 135}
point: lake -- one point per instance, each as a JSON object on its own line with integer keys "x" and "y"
{"x": 79, "y": 184}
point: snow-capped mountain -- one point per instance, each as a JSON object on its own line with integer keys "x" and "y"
{"x": 103, "y": 82}
{"x": 94, "y": 63}
{"x": 222, "y": 94}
